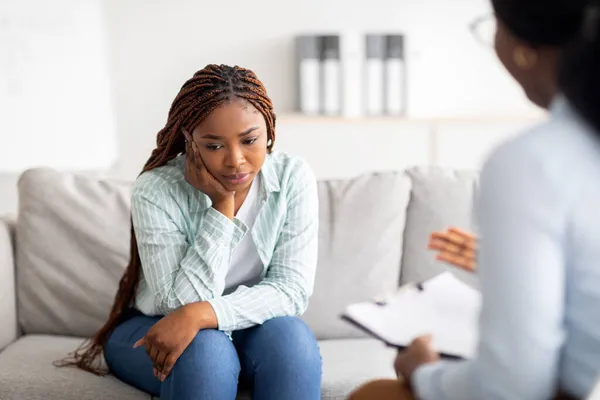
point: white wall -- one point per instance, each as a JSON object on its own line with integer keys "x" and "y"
{"x": 153, "y": 46}
{"x": 156, "y": 45}
{"x": 55, "y": 102}
{"x": 343, "y": 149}
{"x": 55, "y": 105}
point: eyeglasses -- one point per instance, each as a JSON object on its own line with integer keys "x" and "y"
{"x": 484, "y": 29}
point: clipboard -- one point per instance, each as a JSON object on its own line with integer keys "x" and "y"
{"x": 442, "y": 306}
{"x": 443, "y": 355}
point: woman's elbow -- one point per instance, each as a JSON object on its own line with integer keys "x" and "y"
{"x": 166, "y": 303}
{"x": 300, "y": 301}
{"x": 293, "y": 298}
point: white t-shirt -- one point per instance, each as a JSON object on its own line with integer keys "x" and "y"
{"x": 245, "y": 266}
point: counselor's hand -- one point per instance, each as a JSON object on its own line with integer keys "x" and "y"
{"x": 455, "y": 247}
{"x": 420, "y": 352}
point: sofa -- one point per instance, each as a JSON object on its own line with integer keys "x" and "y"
{"x": 62, "y": 256}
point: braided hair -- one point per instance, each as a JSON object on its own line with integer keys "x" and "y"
{"x": 198, "y": 97}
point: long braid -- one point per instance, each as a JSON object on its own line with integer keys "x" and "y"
{"x": 198, "y": 97}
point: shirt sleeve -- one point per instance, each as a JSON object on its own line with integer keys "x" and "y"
{"x": 522, "y": 276}
{"x": 176, "y": 271}
{"x": 289, "y": 280}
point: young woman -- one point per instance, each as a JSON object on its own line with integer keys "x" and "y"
{"x": 539, "y": 254}
{"x": 223, "y": 255}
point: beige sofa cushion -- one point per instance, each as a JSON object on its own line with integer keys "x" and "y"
{"x": 440, "y": 198}
{"x": 8, "y": 311}
{"x": 360, "y": 247}
{"x": 72, "y": 247}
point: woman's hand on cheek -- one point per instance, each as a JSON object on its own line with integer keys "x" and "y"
{"x": 171, "y": 335}
{"x": 199, "y": 177}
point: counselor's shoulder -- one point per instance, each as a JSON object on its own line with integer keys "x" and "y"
{"x": 545, "y": 162}
{"x": 293, "y": 173}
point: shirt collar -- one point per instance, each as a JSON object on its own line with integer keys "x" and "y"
{"x": 562, "y": 108}
{"x": 270, "y": 176}
{"x": 559, "y": 105}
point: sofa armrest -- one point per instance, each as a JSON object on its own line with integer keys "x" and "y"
{"x": 8, "y": 303}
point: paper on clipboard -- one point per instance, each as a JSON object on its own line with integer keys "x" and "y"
{"x": 443, "y": 306}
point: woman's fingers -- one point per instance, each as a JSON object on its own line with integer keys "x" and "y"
{"x": 189, "y": 153}
{"x": 169, "y": 364}
{"x": 192, "y": 150}
{"x": 158, "y": 358}
{"x": 160, "y": 365}
{"x": 153, "y": 353}
{"x": 206, "y": 177}
{"x": 188, "y": 163}
{"x": 198, "y": 163}
{"x": 193, "y": 165}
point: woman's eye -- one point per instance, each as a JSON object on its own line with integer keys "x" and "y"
{"x": 250, "y": 141}
{"x": 213, "y": 146}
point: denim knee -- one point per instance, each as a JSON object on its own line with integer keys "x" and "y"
{"x": 292, "y": 344}
{"x": 210, "y": 359}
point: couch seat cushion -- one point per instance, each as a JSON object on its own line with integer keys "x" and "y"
{"x": 348, "y": 363}
{"x": 26, "y": 371}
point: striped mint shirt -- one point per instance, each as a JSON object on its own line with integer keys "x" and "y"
{"x": 185, "y": 245}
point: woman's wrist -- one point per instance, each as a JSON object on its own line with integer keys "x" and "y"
{"x": 202, "y": 315}
{"x": 225, "y": 206}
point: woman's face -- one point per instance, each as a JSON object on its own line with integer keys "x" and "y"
{"x": 232, "y": 141}
{"x": 534, "y": 69}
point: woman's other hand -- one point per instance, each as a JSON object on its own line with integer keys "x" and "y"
{"x": 199, "y": 177}
{"x": 455, "y": 247}
{"x": 171, "y": 335}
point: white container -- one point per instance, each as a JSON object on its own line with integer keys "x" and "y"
{"x": 375, "y": 74}
{"x": 395, "y": 76}
{"x": 332, "y": 73}
{"x": 352, "y": 55}
{"x": 309, "y": 74}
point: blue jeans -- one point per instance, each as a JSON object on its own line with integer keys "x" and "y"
{"x": 279, "y": 359}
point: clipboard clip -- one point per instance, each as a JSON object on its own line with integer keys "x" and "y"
{"x": 384, "y": 299}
